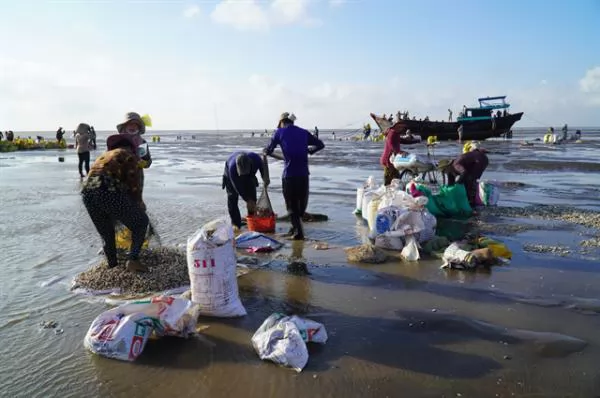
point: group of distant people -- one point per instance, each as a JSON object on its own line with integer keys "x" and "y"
{"x": 8, "y": 135}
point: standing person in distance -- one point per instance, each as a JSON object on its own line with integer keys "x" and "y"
{"x": 296, "y": 144}
{"x": 82, "y": 144}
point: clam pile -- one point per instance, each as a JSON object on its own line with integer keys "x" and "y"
{"x": 586, "y": 218}
{"x": 167, "y": 270}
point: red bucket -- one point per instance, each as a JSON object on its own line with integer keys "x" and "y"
{"x": 261, "y": 224}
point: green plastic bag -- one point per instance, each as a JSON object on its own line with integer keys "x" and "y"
{"x": 451, "y": 201}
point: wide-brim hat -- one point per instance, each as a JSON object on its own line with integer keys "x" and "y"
{"x": 132, "y": 117}
{"x": 444, "y": 164}
{"x": 117, "y": 140}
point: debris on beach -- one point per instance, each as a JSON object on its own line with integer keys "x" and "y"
{"x": 366, "y": 253}
{"x": 321, "y": 246}
{"x": 535, "y": 248}
{"x": 49, "y": 324}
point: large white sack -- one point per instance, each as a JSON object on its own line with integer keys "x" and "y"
{"x": 122, "y": 332}
{"x": 282, "y": 339}
{"x": 212, "y": 269}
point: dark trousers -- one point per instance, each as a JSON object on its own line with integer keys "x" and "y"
{"x": 470, "y": 183}
{"x": 246, "y": 187}
{"x": 390, "y": 173}
{"x": 84, "y": 157}
{"x": 105, "y": 207}
{"x": 295, "y": 194}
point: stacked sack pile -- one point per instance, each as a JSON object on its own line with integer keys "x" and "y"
{"x": 396, "y": 220}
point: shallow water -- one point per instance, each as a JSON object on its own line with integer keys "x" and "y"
{"x": 409, "y": 329}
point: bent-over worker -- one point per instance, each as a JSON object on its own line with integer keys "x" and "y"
{"x": 111, "y": 193}
{"x": 467, "y": 169}
{"x": 239, "y": 179}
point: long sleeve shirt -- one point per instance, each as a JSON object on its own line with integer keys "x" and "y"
{"x": 237, "y": 180}
{"x": 473, "y": 163}
{"x": 295, "y": 143}
{"x": 392, "y": 145}
{"x": 122, "y": 166}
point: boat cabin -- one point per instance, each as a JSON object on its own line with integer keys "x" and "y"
{"x": 485, "y": 111}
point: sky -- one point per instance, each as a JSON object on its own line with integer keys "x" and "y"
{"x": 238, "y": 64}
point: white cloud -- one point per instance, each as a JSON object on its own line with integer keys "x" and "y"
{"x": 254, "y": 15}
{"x": 590, "y": 85}
{"x": 191, "y": 11}
{"x": 40, "y": 94}
{"x": 336, "y": 3}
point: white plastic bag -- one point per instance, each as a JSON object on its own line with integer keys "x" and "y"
{"x": 122, "y": 332}
{"x": 212, "y": 270}
{"x": 455, "y": 257}
{"x": 390, "y": 242}
{"x": 411, "y": 250}
{"x": 429, "y": 224}
{"x": 282, "y": 339}
{"x": 359, "y": 198}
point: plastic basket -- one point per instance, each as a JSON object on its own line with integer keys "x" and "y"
{"x": 261, "y": 224}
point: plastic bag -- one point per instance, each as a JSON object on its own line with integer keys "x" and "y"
{"x": 488, "y": 194}
{"x": 122, "y": 332}
{"x": 390, "y": 242}
{"x": 212, "y": 270}
{"x": 410, "y": 252}
{"x": 455, "y": 257}
{"x": 282, "y": 339}
{"x": 256, "y": 242}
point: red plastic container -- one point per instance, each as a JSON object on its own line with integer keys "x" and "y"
{"x": 261, "y": 224}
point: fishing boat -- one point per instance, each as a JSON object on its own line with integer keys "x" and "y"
{"x": 490, "y": 119}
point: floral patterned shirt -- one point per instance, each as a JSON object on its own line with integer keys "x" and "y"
{"x": 119, "y": 170}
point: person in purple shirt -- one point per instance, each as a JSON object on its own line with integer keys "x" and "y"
{"x": 239, "y": 179}
{"x": 296, "y": 144}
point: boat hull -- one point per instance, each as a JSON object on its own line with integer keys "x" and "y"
{"x": 446, "y": 131}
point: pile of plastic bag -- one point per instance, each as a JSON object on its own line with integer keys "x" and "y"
{"x": 282, "y": 339}
{"x": 396, "y": 219}
{"x": 122, "y": 332}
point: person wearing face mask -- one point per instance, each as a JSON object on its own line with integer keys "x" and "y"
{"x": 134, "y": 126}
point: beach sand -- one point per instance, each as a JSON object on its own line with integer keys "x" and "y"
{"x": 395, "y": 329}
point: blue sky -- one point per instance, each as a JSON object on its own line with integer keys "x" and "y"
{"x": 329, "y": 62}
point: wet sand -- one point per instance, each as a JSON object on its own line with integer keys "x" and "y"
{"x": 396, "y": 329}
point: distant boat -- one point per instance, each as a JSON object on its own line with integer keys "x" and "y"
{"x": 490, "y": 119}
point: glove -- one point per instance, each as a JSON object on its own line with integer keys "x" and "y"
{"x": 266, "y": 182}
{"x": 143, "y": 206}
{"x": 142, "y": 164}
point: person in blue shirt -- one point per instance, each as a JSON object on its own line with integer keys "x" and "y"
{"x": 239, "y": 179}
{"x": 296, "y": 144}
